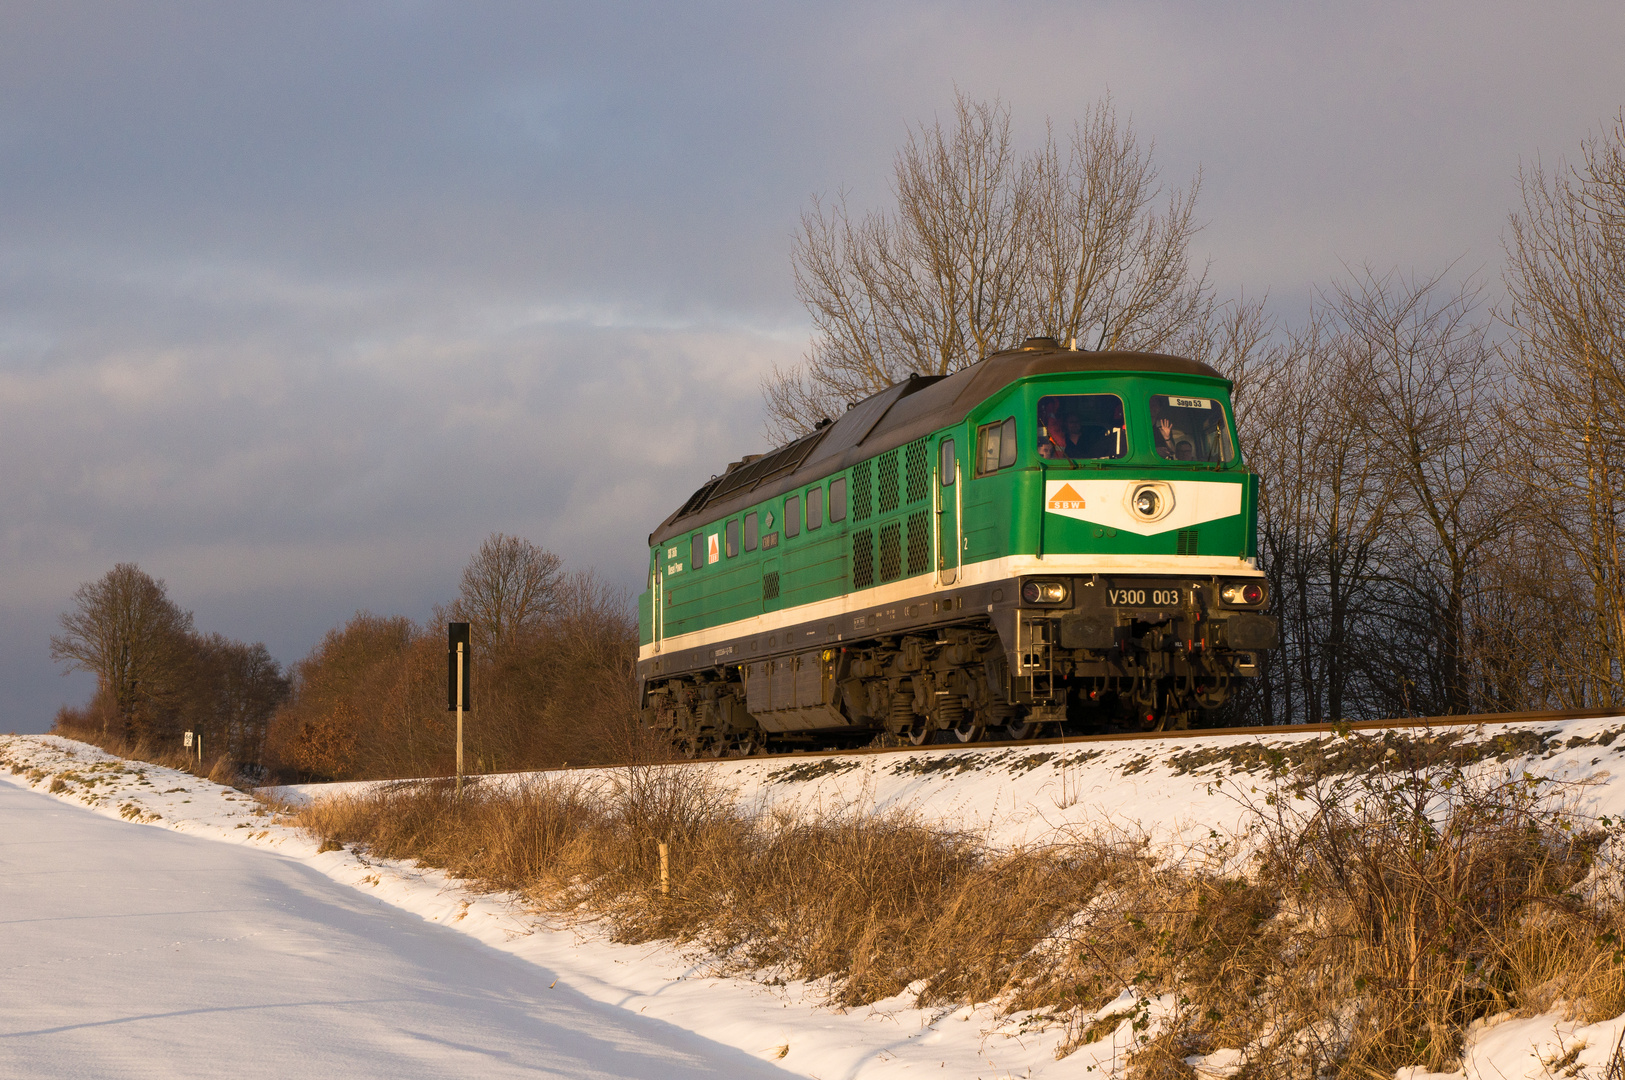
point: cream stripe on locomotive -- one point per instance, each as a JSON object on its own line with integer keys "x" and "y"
{"x": 1109, "y": 503}
{"x": 971, "y": 574}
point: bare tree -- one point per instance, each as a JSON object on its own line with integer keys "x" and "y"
{"x": 1429, "y": 382}
{"x": 234, "y": 691}
{"x": 509, "y": 587}
{"x": 1322, "y": 514}
{"x": 1109, "y": 269}
{"x": 124, "y": 629}
{"x": 983, "y": 248}
{"x": 1566, "y": 284}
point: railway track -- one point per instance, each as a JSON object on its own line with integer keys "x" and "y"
{"x": 1465, "y": 720}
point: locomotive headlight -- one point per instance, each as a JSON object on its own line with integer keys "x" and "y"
{"x": 1044, "y": 592}
{"x": 1243, "y": 593}
{"x": 1150, "y": 500}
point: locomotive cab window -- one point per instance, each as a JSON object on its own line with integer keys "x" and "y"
{"x": 837, "y": 499}
{"x": 1081, "y": 427}
{"x": 750, "y": 531}
{"x": 995, "y": 446}
{"x": 1190, "y": 429}
{"x": 792, "y": 516}
{"x": 950, "y": 464}
{"x": 699, "y": 552}
{"x": 815, "y": 508}
{"x": 732, "y": 542}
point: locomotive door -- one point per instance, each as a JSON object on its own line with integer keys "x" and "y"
{"x": 947, "y": 487}
{"x": 657, "y": 614}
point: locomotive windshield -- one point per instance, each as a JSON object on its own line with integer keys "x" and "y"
{"x": 1081, "y": 427}
{"x": 1190, "y": 429}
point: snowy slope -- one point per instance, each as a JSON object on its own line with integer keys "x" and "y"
{"x": 137, "y": 952}
{"x": 1165, "y": 789}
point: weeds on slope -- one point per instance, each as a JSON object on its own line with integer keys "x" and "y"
{"x": 216, "y": 768}
{"x": 1362, "y": 925}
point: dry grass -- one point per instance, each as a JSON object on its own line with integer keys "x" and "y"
{"x": 1381, "y": 913}
{"x": 217, "y": 768}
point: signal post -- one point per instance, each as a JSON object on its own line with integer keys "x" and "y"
{"x": 459, "y": 665}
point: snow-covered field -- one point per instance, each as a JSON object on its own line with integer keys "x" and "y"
{"x": 159, "y": 925}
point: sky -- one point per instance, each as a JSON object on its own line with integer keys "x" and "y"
{"x": 299, "y": 302}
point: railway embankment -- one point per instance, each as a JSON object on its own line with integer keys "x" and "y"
{"x": 1303, "y": 903}
{"x": 1283, "y": 903}
{"x": 1166, "y": 788}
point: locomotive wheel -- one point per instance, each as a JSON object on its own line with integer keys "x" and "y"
{"x": 745, "y": 746}
{"x": 920, "y": 733}
{"x": 967, "y": 730}
{"x": 1020, "y": 729}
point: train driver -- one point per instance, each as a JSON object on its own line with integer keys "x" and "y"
{"x": 1168, "y": 440}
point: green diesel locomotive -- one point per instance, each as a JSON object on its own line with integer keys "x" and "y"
{"x": 1048, "y": 537}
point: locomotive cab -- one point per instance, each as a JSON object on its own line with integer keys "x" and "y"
{"x": 1118, "y": 504}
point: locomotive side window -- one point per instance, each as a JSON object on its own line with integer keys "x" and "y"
{"x": 995, "y": 446}
{"x": 732, "y": 544}
{"x": 750, "y": 531}
{"x": 1081, "y": 427}
{"x": 792, "y": 516}
{"x": 699, "y": 552}
{"x": 815, "y": 508}
{"x": 837, "y": 499}
{"x": 1190, "y": 429}
{"x": 950, "y": 464}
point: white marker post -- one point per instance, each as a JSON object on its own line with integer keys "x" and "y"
{"x": 459, "y": 658}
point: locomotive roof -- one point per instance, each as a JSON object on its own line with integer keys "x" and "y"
{"x": 896, "y": 415}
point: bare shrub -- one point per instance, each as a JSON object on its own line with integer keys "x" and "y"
{"x": 1416, "y": 889}
{"x": 874, "y": 903}
{"x": 84, "y": 726}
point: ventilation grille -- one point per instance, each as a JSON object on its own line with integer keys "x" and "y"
{"x": 919, "y": 543}
{"x": 863, "y": 495}
{"x": 891, "y": 551}
{"x": 770, "y": 585}
{"x": 918, "y": 476}
{"x": 888, "y": 482}
{"x": 783, "y": 460}
{"x": 863, "y": 559}
{"x": 1187, "y": 542}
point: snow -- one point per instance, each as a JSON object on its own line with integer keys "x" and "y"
{"x": 1022, "y": 795}
{"x": 159, "y": 925}
{"x": 143, "y": 952}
